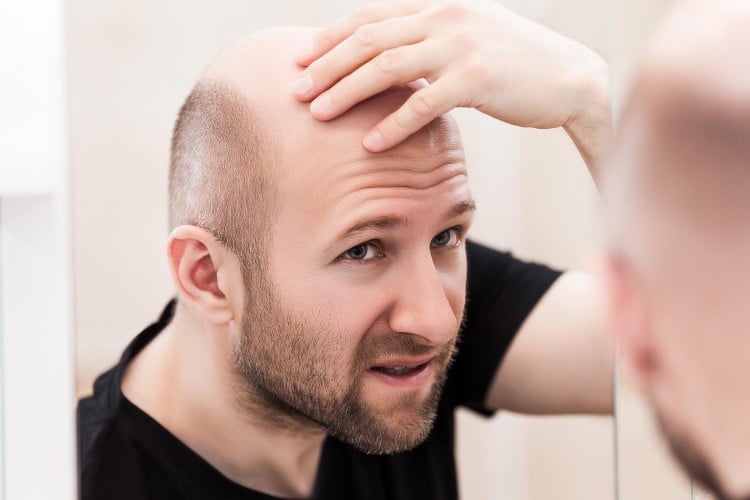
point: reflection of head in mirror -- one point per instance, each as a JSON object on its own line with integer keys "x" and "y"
{"x": 678, "y": 195}
{"x": 289, "y": 235}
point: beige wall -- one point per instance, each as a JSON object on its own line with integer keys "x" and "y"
{"x": 132, "y": 62}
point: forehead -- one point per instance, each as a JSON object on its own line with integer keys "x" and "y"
{"x": 336, "y": 165}
{"x": 336, "y": 185}
{"x": 325, "y": 164}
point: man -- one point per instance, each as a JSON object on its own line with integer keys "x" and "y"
{"x": 678, "y": 196}
{"x": 321, "y": 291}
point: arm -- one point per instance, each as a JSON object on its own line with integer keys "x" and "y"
{"x": 560, "y": 361}
{"x": 591, "y": 130}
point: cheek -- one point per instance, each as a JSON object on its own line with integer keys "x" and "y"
{"x": 350, "y": 310}
{"x": 337, "y": 313}
{"x": 454, "y": 284}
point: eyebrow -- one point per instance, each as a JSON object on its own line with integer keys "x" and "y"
{"x": 386, "y": 222}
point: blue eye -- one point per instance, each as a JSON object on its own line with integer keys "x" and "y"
{"x": 363, "y": 251}
{"x": 447, "y": 238}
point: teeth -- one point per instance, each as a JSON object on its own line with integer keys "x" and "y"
{"x": 397, "y": 370}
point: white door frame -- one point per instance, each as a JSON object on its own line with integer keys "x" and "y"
{"x": 37, "y": 421}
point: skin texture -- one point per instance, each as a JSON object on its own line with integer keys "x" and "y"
{"x": 285, "y": 357}
{"x": 677, "y": 198}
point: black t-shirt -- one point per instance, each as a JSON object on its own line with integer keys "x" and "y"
{"x": 125, "y": 454}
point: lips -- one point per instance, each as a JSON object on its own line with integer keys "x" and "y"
{"x": 404, "y": 373}
{"x": 399, "y": 370}
{"x": 402, "y": 366}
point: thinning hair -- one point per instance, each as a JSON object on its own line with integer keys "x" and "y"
{"x": 220, "y": 177}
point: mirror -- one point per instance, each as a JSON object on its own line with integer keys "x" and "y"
{"x": 645, "y": 469}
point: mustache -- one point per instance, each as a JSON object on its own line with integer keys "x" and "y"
{"x": 377, "y": 347}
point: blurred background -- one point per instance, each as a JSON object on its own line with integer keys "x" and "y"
{"x": 126, "y": 67}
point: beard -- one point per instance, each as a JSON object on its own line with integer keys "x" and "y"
{"x": 290, "y": 377}
{"x": 694, "y": 462}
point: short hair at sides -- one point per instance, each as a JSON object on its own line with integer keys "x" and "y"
{"x": 220, "y": 178}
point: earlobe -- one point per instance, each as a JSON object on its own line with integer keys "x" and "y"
{"x": 629, "y": 320}
{"x": 195, "y": 257}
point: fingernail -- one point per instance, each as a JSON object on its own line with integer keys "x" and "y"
{"x": 373, "y": 141}
{"x": 302, "y": 85}
{"x": 321, "y": 104}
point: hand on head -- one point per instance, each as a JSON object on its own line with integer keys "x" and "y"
{"x": 476, "y": 55}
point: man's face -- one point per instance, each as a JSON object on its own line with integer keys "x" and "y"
{"x": 367, "y": 286}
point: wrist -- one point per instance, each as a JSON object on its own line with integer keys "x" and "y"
{"x": 592, "y": 97}
{"x": 590, "y": 127}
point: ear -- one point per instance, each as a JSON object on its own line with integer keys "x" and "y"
{"x": 195, "y": 259}
{"x": 629, "y": 319}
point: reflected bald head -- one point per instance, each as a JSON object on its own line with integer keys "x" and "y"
{"x": 684, "y": 147}
{"x": 678, "y": 195}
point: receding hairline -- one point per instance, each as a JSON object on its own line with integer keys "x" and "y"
{"x": 220, "y": 178}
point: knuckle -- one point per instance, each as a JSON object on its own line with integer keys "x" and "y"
{"x": 389, "y": 61}
{"x": 398, "y": 124}
{"x": 422, "y": 104}
{"x": 365, "y": 36}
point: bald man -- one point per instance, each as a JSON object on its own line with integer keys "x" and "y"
{"x": 678, "y": 198}
{"x": 316, "y": 347}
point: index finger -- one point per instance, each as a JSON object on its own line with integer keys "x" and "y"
{"x": 423, "y": 106}
{"x": 344, "y": 27}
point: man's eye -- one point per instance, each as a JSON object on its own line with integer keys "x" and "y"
{"x": 448, "y": 238}
{"x": 363, "y": 251}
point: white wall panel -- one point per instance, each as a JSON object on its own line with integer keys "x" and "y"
{"x": 35, "y": 267}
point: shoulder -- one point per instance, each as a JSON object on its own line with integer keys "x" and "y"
{"x": 96, "y": 413}
{"x": 495, "y": 274}
{"x": 106, "y": 455}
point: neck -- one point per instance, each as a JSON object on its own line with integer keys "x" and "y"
{"x": 185, "y": 379}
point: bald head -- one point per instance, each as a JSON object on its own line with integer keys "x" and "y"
{"x": 240, "y": 133}
{"x": 678, "y": 197}
{"x": 684, "y": 143}
{"x": 340, "y": 248}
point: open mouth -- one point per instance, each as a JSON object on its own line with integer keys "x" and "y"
{"x": 404, "y": 374}
{"x": 400, "y": 371}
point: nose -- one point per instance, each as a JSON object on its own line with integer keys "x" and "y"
{"x": 423, "y": 305}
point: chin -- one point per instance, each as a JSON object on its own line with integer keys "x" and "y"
{"x": 392, "y": 425}
{"x": 387, "y": 439}
{"x": 691, "y": 458}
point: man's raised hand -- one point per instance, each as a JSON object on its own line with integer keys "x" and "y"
{"x": 477, "y": 54}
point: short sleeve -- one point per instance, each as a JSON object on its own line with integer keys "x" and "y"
{"x": 501, "y": 292}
